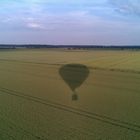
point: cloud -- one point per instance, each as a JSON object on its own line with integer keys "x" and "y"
{"x": 130, "y": 7}
{"x": 35, "y": 25}
{"x": 79, "y": 13}
{"x": 74, "y": 21}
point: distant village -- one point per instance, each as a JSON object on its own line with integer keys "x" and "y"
{"x": 68, "y": 47}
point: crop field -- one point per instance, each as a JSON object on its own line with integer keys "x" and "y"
{"x": 69, "y": 95}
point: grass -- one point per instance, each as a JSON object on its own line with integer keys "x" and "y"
{"x": 36, "y": 103}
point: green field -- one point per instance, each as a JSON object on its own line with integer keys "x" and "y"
{"x": 36, "y": 103}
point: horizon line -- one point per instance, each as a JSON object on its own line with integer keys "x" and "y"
{"x": 61, "y": 44}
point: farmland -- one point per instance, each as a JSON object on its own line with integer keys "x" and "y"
{"x": 36, "y": 102}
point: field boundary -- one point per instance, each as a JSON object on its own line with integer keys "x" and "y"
{"x": 90, "y": 67}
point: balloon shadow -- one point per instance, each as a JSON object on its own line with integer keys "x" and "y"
{"x": 74, "y": 75}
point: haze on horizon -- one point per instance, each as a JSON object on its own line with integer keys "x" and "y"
{"x": 99, "y": 22}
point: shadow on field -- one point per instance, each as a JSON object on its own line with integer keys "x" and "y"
{"x": 74, "y": 75}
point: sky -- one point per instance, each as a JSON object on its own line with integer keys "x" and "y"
{"x": 70, "y": 22}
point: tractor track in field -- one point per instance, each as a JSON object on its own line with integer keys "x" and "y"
{"x": 60, "y": 64}
{"x": 83, "y": 113}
